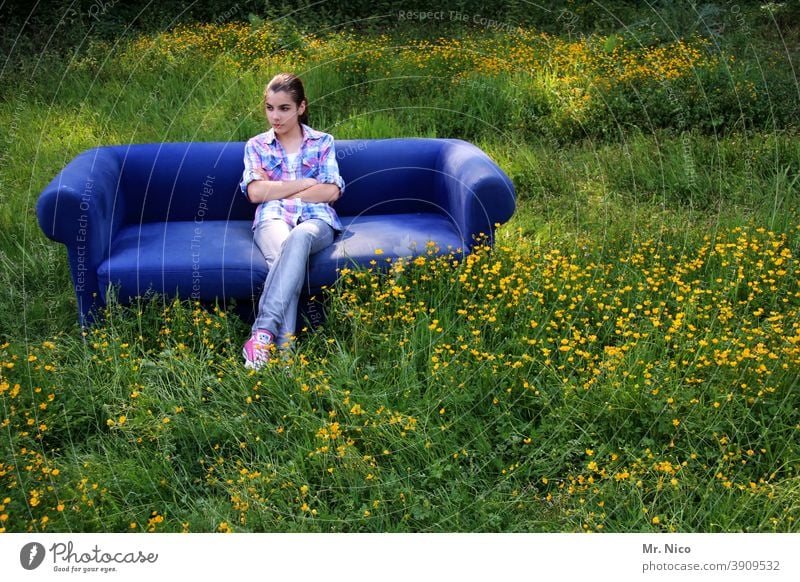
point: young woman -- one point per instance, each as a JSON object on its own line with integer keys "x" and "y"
{"x": 291, "y": 172}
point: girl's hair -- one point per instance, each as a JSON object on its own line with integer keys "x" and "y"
{"x": 293, "y": 86}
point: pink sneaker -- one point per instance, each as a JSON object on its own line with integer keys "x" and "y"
{"x": 256, "y": 349}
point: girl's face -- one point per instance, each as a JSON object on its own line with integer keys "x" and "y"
{"x": 283, "y": 113}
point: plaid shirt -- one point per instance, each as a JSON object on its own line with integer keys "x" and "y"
{"x": 315, "y": 159}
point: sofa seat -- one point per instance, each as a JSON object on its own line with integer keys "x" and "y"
{"x": 224, "y": 261}
{"x": 363, "y": 236}
{"x": 158, "y": 256}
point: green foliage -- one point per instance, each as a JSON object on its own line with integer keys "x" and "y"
{"x": 569, "y": 387}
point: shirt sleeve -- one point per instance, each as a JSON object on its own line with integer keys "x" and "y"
{"x": 251, "y": 161}
{"x": 328, "y": 166}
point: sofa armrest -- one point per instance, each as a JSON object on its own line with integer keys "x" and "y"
{"x": 80, "y": 209}
{"x": 477, "y": 193}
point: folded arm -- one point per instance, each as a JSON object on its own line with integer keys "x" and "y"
{"x": 263, "y": 190}
{"x": 307, "y": 189}
{"x": 319, "y": 193}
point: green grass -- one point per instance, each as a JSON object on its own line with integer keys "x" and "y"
{"x": 625, "y": 359}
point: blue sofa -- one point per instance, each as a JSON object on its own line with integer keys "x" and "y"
{"x": 170, "y": 218}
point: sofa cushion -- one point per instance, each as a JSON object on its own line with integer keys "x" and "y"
{"x": 224, "y": 261}
{"x": 394, "y": 235}
{"x": 160, "y": 256}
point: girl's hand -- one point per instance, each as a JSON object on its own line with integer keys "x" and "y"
{"x": 262, "y": 175}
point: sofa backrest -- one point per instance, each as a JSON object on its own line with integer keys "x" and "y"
{"x": 389, "y": 176}
{"x": 183, "y": 181}
{"x": 187, "y": 181}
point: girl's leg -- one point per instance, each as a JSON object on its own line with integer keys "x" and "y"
{"x": 269, "y": 236}
{"x": 285, "y": 337}
{"x": 277, "y": 308}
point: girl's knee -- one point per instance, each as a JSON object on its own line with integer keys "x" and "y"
{"x": 310, "y": 229}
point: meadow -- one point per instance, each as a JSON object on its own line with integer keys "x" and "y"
{"x": 626, "y": 358}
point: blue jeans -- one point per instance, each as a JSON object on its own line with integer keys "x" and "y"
{"x": 286, "y": 251}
